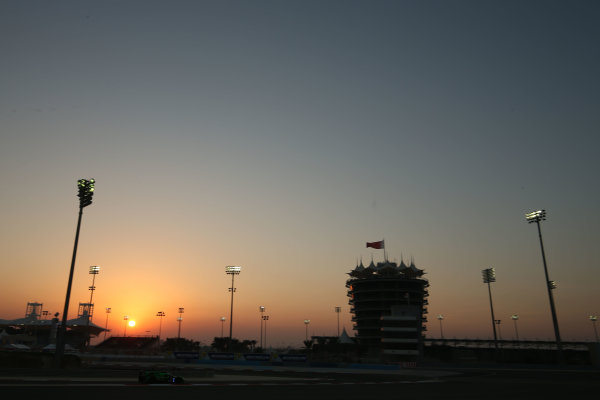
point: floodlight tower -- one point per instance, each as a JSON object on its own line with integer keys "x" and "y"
{"x": 94, "y": 270}
{"x": 222, "y": 324}
{"x": 337, "y": 311}
{"x": 593, "y": 319}
{"x": 536, "y": 217}
{"x": 489, "y": 275}
{"x": 106, "y": 325}
{"x": 233, "y": 271}
{"x": 160, "y": 316}
{"x": 125, "y": 318}
{"x": 261, "y": 309}
{"x": 265, "y": 318}
{"x": 306, "y": 322}
{"x": 440, "y": 317}
{"x": 179, "y": 319}
{"x": 85, "y": 193}
{"x": 515, "y": 318}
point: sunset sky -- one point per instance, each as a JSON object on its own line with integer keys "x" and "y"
{"x": 281, "y": 136}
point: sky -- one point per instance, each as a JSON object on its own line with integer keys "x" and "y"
{"x": 281, "y": 136}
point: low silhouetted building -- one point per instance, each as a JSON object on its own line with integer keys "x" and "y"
{"x": 39, "y": 333}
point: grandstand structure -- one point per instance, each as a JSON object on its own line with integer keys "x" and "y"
{"x": 37, "y": 330}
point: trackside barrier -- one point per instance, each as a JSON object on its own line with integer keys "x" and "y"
{"x": 186, "y": 355}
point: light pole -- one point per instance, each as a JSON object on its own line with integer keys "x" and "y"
{"x": 160, "y": 316}
{"x": 125, "y": 332}
{"x": 179, "y": 319}
{"x": 261, "y": 309}
{"x": 536, "y": 217}
{"x": 233, "y": 271}
{"x": 489, "y": 275}
{"x": 306, "y": 322}
{"x": 106, "y": 325}
{"x": 222, "y": 323}
{"x": 515, "y": 318}
{"x": 337, "y": 311}
{"x": 440, "y": 317}
{"x": 85, "y": 193}
{"x": 593, "y": 319}
{"x": 94, "y": 270}
{"x": 265, "y": 318}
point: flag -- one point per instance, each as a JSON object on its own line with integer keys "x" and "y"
{"x": 376, "y": 245}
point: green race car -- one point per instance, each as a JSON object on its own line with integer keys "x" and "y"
{"x": 158, "y": 377}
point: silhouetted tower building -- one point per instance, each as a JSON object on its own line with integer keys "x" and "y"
{"x": 388, "y": 302}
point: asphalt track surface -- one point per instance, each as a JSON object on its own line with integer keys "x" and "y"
{"x": 119, "y": 381}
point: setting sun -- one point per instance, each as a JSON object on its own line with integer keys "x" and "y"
{"x": 131, "y": 323}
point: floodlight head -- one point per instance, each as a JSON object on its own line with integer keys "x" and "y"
{"x": 222, "y": 318}
{"x": 307, "y": 321}
{"x": 125, "y": 317}
{"x": 94, "y": 270}
{"x": 593, "y": 318}
{"x": 261, "y": 308}
{"x": 489, "y": 275}
{"x": 85, "y": 192}
{"x": 515, "y": 317}
{"x": 180, "y": 310}
{"x": 160, "y": 314}
{"x": 232, "y": 270}
{"x": 536, "y": 216}
{"x": 108, "y": 310}
{"x": 440, "y": 317}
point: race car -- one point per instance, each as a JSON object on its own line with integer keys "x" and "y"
{"x": 158, "y": 377}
